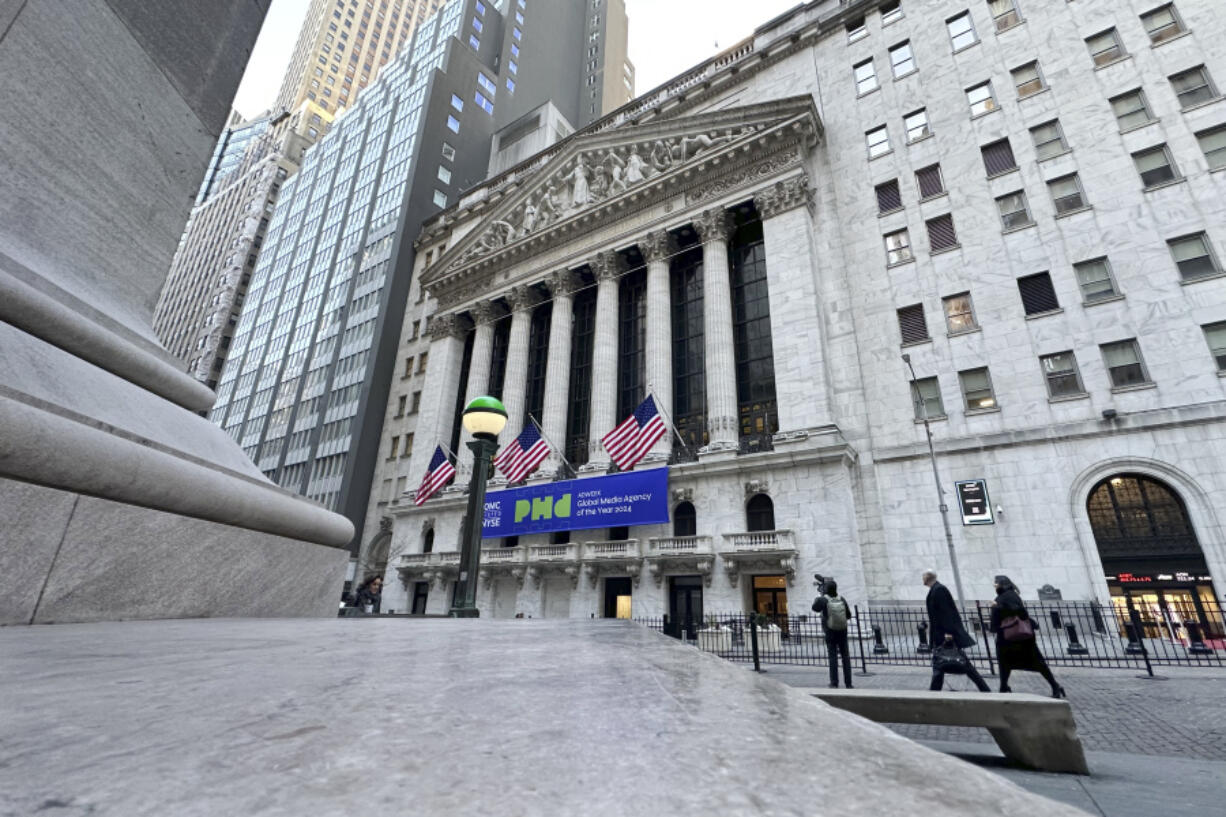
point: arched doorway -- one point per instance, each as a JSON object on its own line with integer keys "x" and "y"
{"x": 1151, "y": 557}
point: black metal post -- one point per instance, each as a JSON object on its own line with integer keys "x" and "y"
{"x": 924, "y": 647}
{"x": 879, "y": 647}
{"x": 1196, "y": 643}
{"x": 987, "y": 638}
{"x": 753, "y": 642}
{"x": 465, "y": 604}
{"x": 1075, "y": 647}
{"x": 1139, "y": 632}
{"x": 860, "y": 641}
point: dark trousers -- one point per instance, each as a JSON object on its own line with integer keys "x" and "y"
{"x": 836, "y": 642}
{"x": 938, "y": 679}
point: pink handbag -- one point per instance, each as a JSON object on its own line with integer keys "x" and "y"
{"x": 1015, "y": 628}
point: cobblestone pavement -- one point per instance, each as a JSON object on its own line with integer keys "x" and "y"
{"x": 1183, "y": 716}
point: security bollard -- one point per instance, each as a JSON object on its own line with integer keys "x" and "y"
{"x": 1196, "y": 642}
{"x": 1075, "y": 647}
{"x": 879, "y": 647}
{"x": 1055, "y": 620}
{"x": 1134, "y": 639}
{"x": 924, "y": 647}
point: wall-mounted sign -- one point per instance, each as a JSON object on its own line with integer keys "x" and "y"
{"x": 974, "y": 503}
{"x": 633, "y": 498}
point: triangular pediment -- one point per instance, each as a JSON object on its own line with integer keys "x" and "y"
{"x": 595, "y": 174}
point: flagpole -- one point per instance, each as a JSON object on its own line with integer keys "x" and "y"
{"x": 668, "y": 419}
{"x": 551, "y": 445}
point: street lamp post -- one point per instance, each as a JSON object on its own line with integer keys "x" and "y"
{"x": 936, "y": 479}
{"x": 484, "y": 418}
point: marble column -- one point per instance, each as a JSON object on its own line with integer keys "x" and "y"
{"x": 484, "y": 314}
{"x": 719, "y": 349}
{"x": 436, "y": 417}
{"x": 657, "y": 248}
{"x": 603, "y": 407}
{"x": 515, "y": 385}
{"x": 557, "y": 367}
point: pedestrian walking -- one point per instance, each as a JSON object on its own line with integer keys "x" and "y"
{"x": 949, "y": 637}
{"x": 1016, "y": 645}
{"x": 835, "y": 613}
{"x": 370, "y": 594}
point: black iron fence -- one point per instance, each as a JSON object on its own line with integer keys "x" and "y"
{"x": 1070, "y": 634}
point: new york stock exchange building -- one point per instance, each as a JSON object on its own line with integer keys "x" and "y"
{"x": 757, "y": 245}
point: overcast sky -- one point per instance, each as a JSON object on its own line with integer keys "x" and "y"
{"x": 666, "y": 37}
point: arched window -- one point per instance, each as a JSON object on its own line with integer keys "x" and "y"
{"x": 1137, "y": 517}
{"x": 685, "y": 520}
{"x": 427, "y": 542}
{"x": 760, "y": 513}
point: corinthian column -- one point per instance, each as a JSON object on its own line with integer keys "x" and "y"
{"x": 714, "y": 227}
{"x": 515, "y": 384}
{"x": 557, "y": 367}
{"x": 656, "y": 248}
{"x": 607, "y": 268}
{"x": 483, "y": 313}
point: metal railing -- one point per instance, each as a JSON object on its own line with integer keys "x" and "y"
{"x": 1069, "y": 634}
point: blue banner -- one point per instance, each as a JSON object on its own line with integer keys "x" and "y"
{"x": 633, "y": 498}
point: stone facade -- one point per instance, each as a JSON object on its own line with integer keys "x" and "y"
{"x": 778, "y": 125}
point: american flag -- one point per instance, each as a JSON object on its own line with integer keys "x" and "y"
{"x": 630, "y": 441}
{"x": 523, "y": 454}
{"x": 437, "y": 474}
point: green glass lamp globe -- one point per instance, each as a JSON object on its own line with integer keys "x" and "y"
{"x": 485, "y": 417}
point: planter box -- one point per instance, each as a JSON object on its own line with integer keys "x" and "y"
{"x": 715, "y": 640}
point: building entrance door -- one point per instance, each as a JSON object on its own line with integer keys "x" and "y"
{"x": 770, "y": 598}
{"x": 617, "y": 591}
{"x": 1167, "y": 612}
{"x": 684, "y": 606}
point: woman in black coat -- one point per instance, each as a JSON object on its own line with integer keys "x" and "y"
{"x": 1020, "y": 654}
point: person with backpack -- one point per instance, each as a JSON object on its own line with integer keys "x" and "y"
{"x": 835, "y": 613}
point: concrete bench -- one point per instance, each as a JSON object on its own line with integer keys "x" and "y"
{"x": 1031, "y": 730}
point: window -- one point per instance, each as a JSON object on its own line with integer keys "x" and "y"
{"x": 1066, "y": 193}
{"x": 1131, "y": 110}
{"x": 1027, "y": 80}
{"x": 1013, "y": 212}
{"x": 961, "y": 31}
{"x": 1213, "y": 143}
{"x": 1060, "y": 371}
{"x": 959, "y": 317}
{"x": 916, "y": 125}
{"x": 1193, "y": 87}
{"x": 1004, "y": 12}
{"x": 457, "y": 103}
{"x": 401, "y": 402}
{"x": 1155, "y": 166}
{"x": 1193, "y": 256}
{"x": 856, "y": 30}
{"x": 408, "y": 366}
{"x": 444, "y": 175}
{"x": 941, "y": 234}
{"x": 448, "y": 152}
{"x": 1124, "y": 364}
{"x": 888, "y": 197}
{"x": 760, "y": 513}
{"x": 487, "y": 83}
{"x": 902, "y": 60}
{"x": 1095, "y": 279}
{"x": 416, "y": 406}
{"x": 866, "y": 77}
{"x": 480, "y": 7}
{"x": 474, "y": 42}
{"x": 926, "y": 397}
{"x": 512, "y": 67}
{"x": 510, "y": 85}
{"x": 912, "y": 325}
{"x": 514, "y": 50}
{"x": 1162, "y": 23}
{"x": 998, "y": 158}
{"x": 878, "y": 141}
{"x": 1215, "y": 334}
{"x": 453, "y": 124}
{"x": 890, "y": 11}
{"x": 517, "y": 34}
{"x": 440, "y": 198}
{"x": 477, "y": 24}
{"x": 395, "y": 448}
{"x": 977, "y": 389}
{"x": 685, "y": 520}
{"x": 980, "y": 99}
{"x": 930, "y": 181}
{"x": 483, "y": 103}
{"x": 1105, "y": 47}
{"x": 1038, "y": 295}
{"x": 1048, "y": 140}
{"x": 897, "y": 247}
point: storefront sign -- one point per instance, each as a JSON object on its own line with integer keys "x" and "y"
{"x": 1178, "y": 576}
{"x": 973, "y": 500}
{"x": 634, "y": 498}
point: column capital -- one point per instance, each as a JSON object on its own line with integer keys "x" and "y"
{"x": 561, "y": 283}
{"x": 447, "y": 325}
{"x": 522, "y": 297}
{"x": 655, "y": 246}
{"x": 713, "y": 225}
{"x": 484, "y": 312}
{"x": 606, "y": 265}
{"x": 782, "y": 196}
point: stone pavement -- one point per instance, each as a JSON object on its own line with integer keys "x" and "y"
{"x": 1116, "y": 711}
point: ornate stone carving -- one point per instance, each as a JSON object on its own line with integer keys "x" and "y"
{"x": 743, "y": 176}
{"x": 447, "y": 325}
{"x": 484, "y": 312}
{"x": 756, "y": 486}
{"x": 606, "y": 266}
{"x": 522, "y": 297}
{"x": 683, "y": 495}
{"x": 655, "y": 246}
{"x": 782, "y": 196}
{"x": 561, "y": 283}
{"x": 713, "y": 225}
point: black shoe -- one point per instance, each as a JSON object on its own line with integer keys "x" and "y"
{"x": 1005, "y": 689}
{"x": 849, "y": 686}
{"x": 834, "y": 686}
{"x": 1058, "y": 692}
